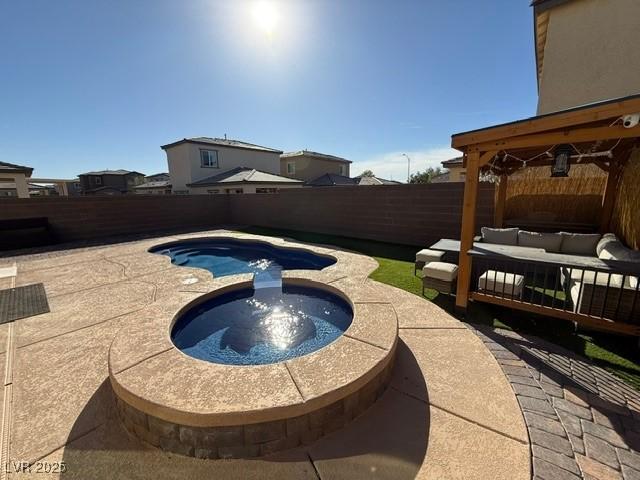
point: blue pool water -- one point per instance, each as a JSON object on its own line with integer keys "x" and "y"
{"x": 265, "y": 325}
{"x": 228, "y": 257}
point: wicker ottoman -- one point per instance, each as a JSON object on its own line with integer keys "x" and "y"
{"x": 509, "y": 285}
{"x": 425, "y": 256}
{"x": 439, "y": 276}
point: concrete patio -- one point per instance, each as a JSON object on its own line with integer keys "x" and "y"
{"x": 450, "y": 411}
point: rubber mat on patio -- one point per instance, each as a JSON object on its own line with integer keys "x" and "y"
{"x": 22, "y": 302}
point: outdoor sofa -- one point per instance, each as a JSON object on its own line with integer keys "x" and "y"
{"x": 597, "y": 272}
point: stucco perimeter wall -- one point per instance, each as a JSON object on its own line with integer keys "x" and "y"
{"x": 590, "y": 53}
{"x": 82, "y": 218}
{"x": 407, "y": 214}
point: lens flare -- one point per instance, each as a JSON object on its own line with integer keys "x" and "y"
{"x": 265, "y": 17}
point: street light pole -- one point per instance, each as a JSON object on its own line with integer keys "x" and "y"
{"x": 408, "y": 166}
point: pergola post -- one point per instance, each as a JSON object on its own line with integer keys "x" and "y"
{"x": 501, "y": 198}
{"x": 468, "y": 228}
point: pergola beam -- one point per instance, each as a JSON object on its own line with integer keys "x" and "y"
{"x": 554, "y": 121}
{"x": 554, "y": 138}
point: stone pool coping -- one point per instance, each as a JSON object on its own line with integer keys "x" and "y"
{"x": 150, "y": 374}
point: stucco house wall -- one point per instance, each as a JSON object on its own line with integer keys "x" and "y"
{"x": 309, "y": 168}
{"x": 590, "y": 53}
{"x": 185, "y": 166}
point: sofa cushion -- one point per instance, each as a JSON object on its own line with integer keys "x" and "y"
{"x": 580, "y": 243}
{"x": 589, "y": 277}
{"x": 550, "y": 242}
{"x": 500, "y": 236}
{"x": 614, "y": 249}
{"x": 501, "y": 282}
{"x": 606, "y": 238}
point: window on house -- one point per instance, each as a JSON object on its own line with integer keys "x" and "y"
{"x": 214, "y": 191}
{"x": 291, "y": 168}
{"x": 181, "y": 192}
{"x": 266, "y": 190}
{"x": 233, "y": 190}
{"x": 98, "y": 180}
{"x": 209, "y": 158}
{"x": 343, "y": 170}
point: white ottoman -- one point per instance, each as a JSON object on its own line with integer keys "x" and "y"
{"x": 425, "y": 256}
{"x": 499, "y": 283}
{"x": 440, "y": 276}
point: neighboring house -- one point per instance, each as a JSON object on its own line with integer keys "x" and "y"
{"x": 42, "y": 190}
{"x": 373, "y": 180}
{"x": 158, "y": 177}
{"x": 156, "y": 184}
{"x": 13, "y": 180}
{"x": 331, "y": 180}
{"x": 440, "y": 178}
{"x": 456, "y": 171}
{"x": 242, "y": 180}
{"x": 585, "y": 51}
{"x": 193, "y": 159}
{"x": 62, "y": 187}
{"x": 110, "y": 182}
{"x": 161, "y": 187}
{"x": 307, "y": 165}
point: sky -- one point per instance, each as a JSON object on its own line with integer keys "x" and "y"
{"x": 88, "y": 85}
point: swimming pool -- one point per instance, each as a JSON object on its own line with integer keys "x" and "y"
{"x": 261, "y": 326}
{"x": 226, "y": 256}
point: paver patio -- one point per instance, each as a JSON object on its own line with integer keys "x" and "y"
{"x": 451, "y": 410}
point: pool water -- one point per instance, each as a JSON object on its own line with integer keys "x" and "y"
{"x": 261, "y": 326}
{"x": 228, "y": 257}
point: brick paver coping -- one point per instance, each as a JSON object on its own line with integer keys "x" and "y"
{"x": 583, "y": 422}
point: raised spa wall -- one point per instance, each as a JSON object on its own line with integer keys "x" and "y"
{"x": 253, "y": 440}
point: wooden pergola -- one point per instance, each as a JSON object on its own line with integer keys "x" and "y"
{"x": 500, "y": 149}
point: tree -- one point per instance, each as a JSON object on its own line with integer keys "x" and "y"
{"x": 367, "y": 173}
{"x": 426, "y": 176}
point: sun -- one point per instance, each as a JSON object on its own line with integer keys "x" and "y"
{"x": 265, "y": 17}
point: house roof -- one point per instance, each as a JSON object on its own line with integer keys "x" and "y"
{"x": 375, "y": 181}
{"x": 159, "y": 184}
{"x": 548, "y": 3}
{"x": 458, "y": 161}
{"x": 221, "y": 142}
{"x": 111, "y": 172}
{"x": 163, "y": 174}
{"x": 331, "y": 179}
{"x": 6, "y": 167}
{"x": 242, "y": 175}
{"x": 309, "y": 153}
